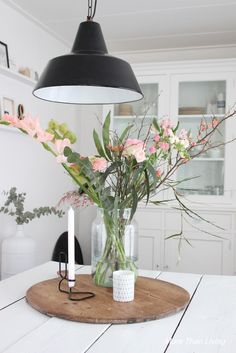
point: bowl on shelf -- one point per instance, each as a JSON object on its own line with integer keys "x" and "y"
{"x": 125, "y": 109}
{"x": 192, "y": 110}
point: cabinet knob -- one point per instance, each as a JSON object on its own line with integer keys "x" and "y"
{"x": 157, "y": 266}
{"x": 166, "y": 267}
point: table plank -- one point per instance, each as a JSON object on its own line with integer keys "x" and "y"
{"x": 14, "y": 288}
{"x": 209, "y": 325}
{"x": 148, "y": 337}
{"x": 16, "y": 321}
{"x": 45, "y": 334}
{"x": 55, "y": 335}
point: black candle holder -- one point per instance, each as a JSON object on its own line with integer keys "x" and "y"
{"x": 72, "y": 294}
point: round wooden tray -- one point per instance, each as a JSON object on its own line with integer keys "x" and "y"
{"x": 154, "y": 299}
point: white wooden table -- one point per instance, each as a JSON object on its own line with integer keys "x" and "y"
{"x": 207, "y": 325}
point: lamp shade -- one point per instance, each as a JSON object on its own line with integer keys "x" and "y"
{"x": 88, "y": 75}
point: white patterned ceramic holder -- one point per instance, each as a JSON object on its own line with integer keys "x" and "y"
{"x": 123, "y": 286}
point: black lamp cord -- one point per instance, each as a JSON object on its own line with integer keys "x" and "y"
{"x": 72, "y": 295}
{"x": 91, "y": 9}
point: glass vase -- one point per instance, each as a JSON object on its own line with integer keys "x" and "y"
{"x": 114, "y": 245}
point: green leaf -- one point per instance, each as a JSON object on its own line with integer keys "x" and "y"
{"x": 176, "y": 128}
{"x": 106, "y": 135}
{"x": 147, "y": 185}
{"x": 153, "y": 173}
{"x": 4, "y": 122}
{"x": 125, "y": 132}
{"x": 47, "y": 148}
{"x": 155, "y": 124}
{"x": 98, "y": 144}
{"x": 73, "y": 157}
{"x": 67, "y": 151}
{"x": 135, "y": 202}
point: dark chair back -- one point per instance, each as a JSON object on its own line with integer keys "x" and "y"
{"x": 62, "y": 246}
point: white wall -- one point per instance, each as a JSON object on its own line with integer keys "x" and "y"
{"x": 28, "y": 44}
{"x": 23, "y": 162}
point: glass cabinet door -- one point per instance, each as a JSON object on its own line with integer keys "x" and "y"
{"x": 139, "y": 113}
{"x": 201, "y": 101}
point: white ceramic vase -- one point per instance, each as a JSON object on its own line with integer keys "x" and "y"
{"x": 17, "y": 253}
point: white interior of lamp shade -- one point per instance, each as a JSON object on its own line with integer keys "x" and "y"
{"x": 87, "y": 94}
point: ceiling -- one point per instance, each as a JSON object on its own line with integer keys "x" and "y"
{"x": 134, "y": 25}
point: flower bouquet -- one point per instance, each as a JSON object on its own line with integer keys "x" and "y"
{"x": 124, "y": 171}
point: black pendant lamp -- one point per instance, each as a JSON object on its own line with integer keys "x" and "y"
{"x": 88, "y": 75}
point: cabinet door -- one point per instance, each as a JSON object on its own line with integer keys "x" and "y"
{"x": 155, "y": 103}
{"x": 206, "y": 255}
{"x": 198, "y": 99}
{"x": 150, "y": 238}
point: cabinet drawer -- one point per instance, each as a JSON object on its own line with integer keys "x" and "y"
{"x": 222, "y": 220}
{"x": 146, "y": 253}
{"x": 149, "y": 219}
{"x": 173, "y": 221}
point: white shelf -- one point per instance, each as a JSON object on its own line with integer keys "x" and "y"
{"x": 208, "y": 159}
{"x": 10, "y": 129}
{"x": 133, "y": 117}
{"x": 187, "y": 116}
{"x": 17, "y": 76}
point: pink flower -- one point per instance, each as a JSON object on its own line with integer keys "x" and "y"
{"x": 193, "y": 144}
{"x": 183, "y": 134}
{"x": 60, "y": 146}
{"x": 99, "y": 164}
{"x": 134, "y": 148}
{"x": 13, "y": 120}
{"x": 152, "y": 149}
{"x": 158, "y": 173}
{"x": 166, "y": 124}
{"x": 61, "y": 159}
{"x": 215, "y": 122}
{"x": 30, "y": 125}
{"x": 44, "y": 136}
{"x": 203, "y": 126}
{"x": 164, "y": 146}
{"x": 140, "y": 156}
{"x": 168, "y": 132}
{"x": 156, "y": 138}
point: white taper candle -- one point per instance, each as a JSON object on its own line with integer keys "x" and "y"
{"x": 71, "y": 247}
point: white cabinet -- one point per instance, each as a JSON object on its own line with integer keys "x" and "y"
{"x": 211, "y": 253}
{"x": 189, "y": 92}
{"x": 150, "y": 238}
{"x": 200, "y": 98}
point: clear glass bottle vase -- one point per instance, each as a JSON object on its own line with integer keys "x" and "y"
{"x": 114, "y": 245}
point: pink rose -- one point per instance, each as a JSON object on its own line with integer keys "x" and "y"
{"x": 156, "y": 138}
{"x": 99, "y": 164}
{"x": 134, "y": 148}
{"x": 152, "y": 149}
{"x": 164, "y": 146}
